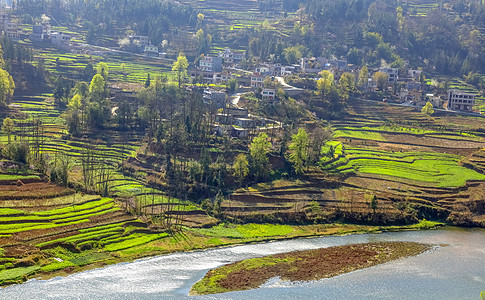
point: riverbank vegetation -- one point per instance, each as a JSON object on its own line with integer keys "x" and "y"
{"x": 303, "y": 265}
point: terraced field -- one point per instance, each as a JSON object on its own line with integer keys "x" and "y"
{"x": 122, "y": 67}
{"x": 435, "y": 165}
{"x": 44, "y": 227}
{"x": 109, "y": 150}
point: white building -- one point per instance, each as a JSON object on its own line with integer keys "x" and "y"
{"x": 460, "y": 100}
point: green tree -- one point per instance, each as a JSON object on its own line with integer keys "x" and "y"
{"x": 380, "y": 78}
{"x": 240, "y": 167}
{"x": 427, "y": 109}
{"x": 148, "y": 81}
{"x": 180, "y": 66}
{"x": 97, "y": 86}
{"x": 346, "y": 85}
{"x": 7, "y": 87}
{"x": 103, "y": 70}
{"x": 363, "y": 77}
{"x": 293, "y": 54}
{"x": 374, "y": 204}
{"x": 299, "y": 150}
{"x": 73, "y": 114}
{"x": 231, "y": 85}
{"x": 259, "y": 150}
{"x": 8, "y": 127}
{"x": 325, "y": 83}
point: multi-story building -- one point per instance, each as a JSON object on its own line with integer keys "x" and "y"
{"x": 210, "y": 64}
{"x": 257, "y": 80}
{"x": 231, "y": 57}
{"x": 312, "y": 65}
{"x": 268, "y": 95}
{"x": 392, "y": 72}
{"x": 216, "y": 98}
{"x": 460, "y": 100}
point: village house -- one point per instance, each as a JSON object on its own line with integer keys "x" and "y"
{"x": 210, "y": 64}
{"x": 231, "y": 58}
{"x": 268, "y": 95}
{"x": 231, "y": 131}
{"x": 434, "y": 100}
{"x": 151, "y": 50}
{"x": 257, "y": 80}
{"x": 237, "y": 112}
{"x": 392, "y": 72}
{"x": 288, "y": 70}
{"x": 40, "y": 32}
{"x": 9, "y": 26}
{"x": 244, "y": 122}
{"x": 460, "y": 100}
{"x": 414, "y": 74}
{"x": 215, "y": 98}
{"x": 312, "y": 65}
{"x": 60, "y": 39}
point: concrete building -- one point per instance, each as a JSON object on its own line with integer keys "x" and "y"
{"x": 460, "y": 100}
{"x": 230, "y": 57}
{"x": 237, "y": 112}
{"x": 313, "y": 64}
{"x": 40, "y": 33}
{"x": 257, "y": 80}
{"x": 414, "y": 74}
{"x": 215, "y": 98}
{"x": 60, "y": 39}
{"x": 151, "y": 50}
{"x": 211, "y": 64}
{"x": 268, "y": 95}
{"x": 392, "y": 72}
{"x": 244, "y": 122}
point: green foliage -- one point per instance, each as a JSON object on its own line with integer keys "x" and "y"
{"x": 8, "y": 127}
{"x": 427, "y": 109}
{"x": 373, "y": 203}
{"x": 325, "y": 83}
{"x": 7, "y": 87}
{"x": 380, "y": 78}
{"x": 231, "y": 85}
{"x": 180, "y": 66}
{"x": 57, "y": 266}
{"x": 259, "y": 150}
{"x": 103, "y": 70}
{"x": 299, "y": 150}
{"x": 240, "y": 167}
{"x": 16, "y": 151}
{"x": 97, "y": 85}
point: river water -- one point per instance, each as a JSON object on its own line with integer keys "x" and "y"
{"x": 456, "y": 271}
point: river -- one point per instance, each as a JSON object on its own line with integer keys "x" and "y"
{"x": 456, "y": 271}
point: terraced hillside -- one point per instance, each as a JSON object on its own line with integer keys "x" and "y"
{"x": 44, "y": 227}
{"x": 109, "y": 150}
{"x": 413, "y": 164}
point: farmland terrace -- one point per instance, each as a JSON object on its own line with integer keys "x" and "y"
{"x": 429, "y": 167}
